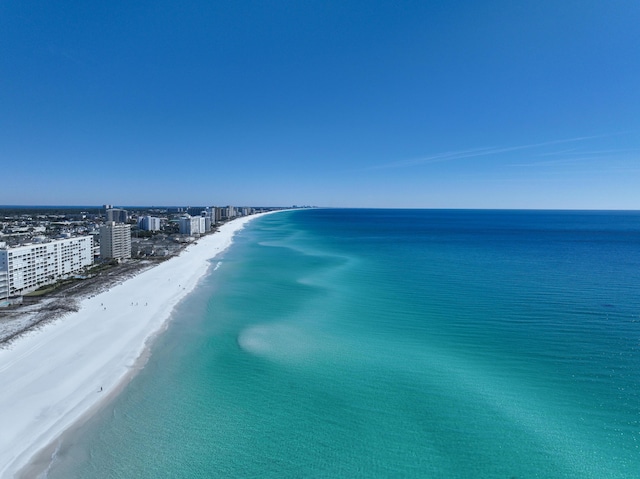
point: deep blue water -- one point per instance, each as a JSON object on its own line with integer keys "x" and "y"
{"x": 393, "y": 343}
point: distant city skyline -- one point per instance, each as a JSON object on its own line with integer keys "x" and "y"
{"x": 416, "y": 104}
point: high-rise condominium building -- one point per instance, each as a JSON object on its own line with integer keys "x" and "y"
{"x": 149, "y": 223}
{"x": 115, "y": 241}
{"x": 229, "y": 212}
{"x": 192, "y": 225}
{"x": 117, "y": 215}
{"x": 25, "y": 268}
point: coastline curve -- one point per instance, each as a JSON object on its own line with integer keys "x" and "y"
{"x": 56, "y": 377}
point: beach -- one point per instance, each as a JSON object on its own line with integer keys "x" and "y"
{"x": 347, "y": 343}
{"x": 54, "y": 376}
{"x": 389, "y": 343}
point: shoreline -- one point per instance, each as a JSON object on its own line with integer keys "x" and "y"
{"x": 55, "y": 377}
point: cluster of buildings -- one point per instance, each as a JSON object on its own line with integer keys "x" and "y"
{"x": 39, "y": 259}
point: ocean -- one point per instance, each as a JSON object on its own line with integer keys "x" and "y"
{"x": 441, "y": 344}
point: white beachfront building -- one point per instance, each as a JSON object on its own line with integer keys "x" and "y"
{"x": 149, "y": 223}
{"x": 25, "y": 268}
{"x": 229, "y": 212}
{"x": 192, "y": 225}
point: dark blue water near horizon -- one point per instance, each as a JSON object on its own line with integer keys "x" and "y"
{"x": 393, "y": 343}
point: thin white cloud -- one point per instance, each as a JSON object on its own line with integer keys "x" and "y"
{"x": 564, "y": 161}
{"x": 601, "y": 157}
{"x": 448, "y": 156}
{"x": 579, "y": 151}
{"x": 560, "y": 152}
{"x": 476, "y": 152}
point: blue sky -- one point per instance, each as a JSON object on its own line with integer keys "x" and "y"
{"x": 432, "y": 104}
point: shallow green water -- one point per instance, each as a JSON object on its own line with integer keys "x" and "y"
{"x": 389, "y": 343}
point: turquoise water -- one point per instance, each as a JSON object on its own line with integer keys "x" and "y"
{"x": 392, "y": 343}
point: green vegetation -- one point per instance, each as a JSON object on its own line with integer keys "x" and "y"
{"x": 138, "y": 233}
{"x": 42, "y": 291}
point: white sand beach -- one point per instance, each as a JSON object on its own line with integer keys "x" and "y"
{"x": 52, "y": 377}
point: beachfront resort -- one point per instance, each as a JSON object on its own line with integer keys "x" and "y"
{"x": 41, "y": 247}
